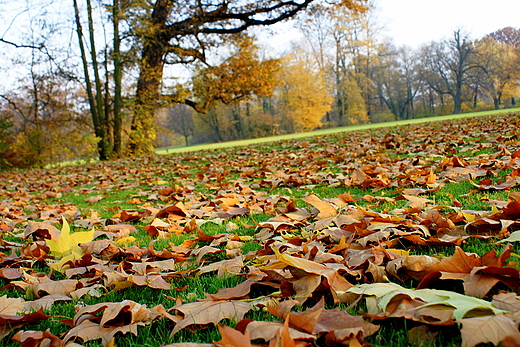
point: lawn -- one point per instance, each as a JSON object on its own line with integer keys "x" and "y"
{"x": 383, "y": 236}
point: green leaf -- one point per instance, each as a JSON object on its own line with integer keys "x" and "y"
{"x": 380, "y": 295}
{"x": 514, "y": 237}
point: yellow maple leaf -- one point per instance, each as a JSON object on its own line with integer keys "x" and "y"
{"x": 67, "y": 246}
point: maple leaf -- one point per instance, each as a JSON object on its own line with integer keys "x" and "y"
{"x": 62, "y": 287}
{"x": 269, "y": 330}
{"x": 310, "y": 277}
{"x": 283, "y": 337}
{"x": 507, "y": 301}
{"x": 514, "y": 237}
{"x": 386, "y": 300}
{"x": 89, "y": 331}
{"x": 41, "y": 230}
{"x": 45, "y": 302}
{"x": 232, "y": 337}
{"x": 10, "y": 322}
{"x": 317, "y": 320}
{"x": 120, "y": 317}
{"x": 492, "y": 329}
{"x": 325, "y": 209}
{"x": 67, "y": 246}
{"x": 33, "y": 338}
{"x": 206, "y": 312}
{"x": 479, "y": 274}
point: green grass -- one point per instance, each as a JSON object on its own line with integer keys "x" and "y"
{"x": 330, "y": 131}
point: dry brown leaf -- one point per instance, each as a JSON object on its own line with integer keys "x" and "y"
{"x": 336, "y": 282}
{"x": 11, "y": 306}
{"x": 33, "y": 338}
{"x": 487, "y": 329}
{"x": 89, "y": 331}
{"x": 325, "y": 209}
{"x": 305, "y": 287}
{"x": 121, "y": 313}
{"x": 42, "y": 230}
{"x": 507, "y": 301}
{"x": 44, "y": 302}
{"x": 206, "y": 312}
{"x": 8, "y": 323}
{"x": 228, "y": 267}
{"x": 268, "y": 330}
{"x": 233, "y": 338}
{"x": 63, "y": 287}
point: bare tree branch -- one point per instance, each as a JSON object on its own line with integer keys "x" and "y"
{"x": 40, "y": 47}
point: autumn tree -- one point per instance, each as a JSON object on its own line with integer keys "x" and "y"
{"x": 304, "y": 97}
{"x": 342, "y": 43}
{"x": 509, "y": 36}
{"x": 46, "y": 128}
{"x": 499, "y": 75}
{"x": 449, "y": 67}
{"x": 499, "y": 54}
{"x": 180, "y": 32}
{"x": 241, "y": 75}
{"x": 396, "y": 80}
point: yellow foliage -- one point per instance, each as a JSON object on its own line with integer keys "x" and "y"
{"x": 125, "y": 241}
{"x": 356, "y": 110}
{"x": 67, "y": 246}
{"x": 305, "y": 98}
{"x": 239, "y": 76}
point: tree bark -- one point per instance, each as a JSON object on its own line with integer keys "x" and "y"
{"x": 149, "y": 82}
{"x": 118, "y": 76}
{"x": 96, "y": 120}
{"x": 103, "y": 131}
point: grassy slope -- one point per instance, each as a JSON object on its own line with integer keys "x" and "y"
{"x": 330, "y": 131}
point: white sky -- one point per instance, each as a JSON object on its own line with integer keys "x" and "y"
{"x": 414, "y": 22}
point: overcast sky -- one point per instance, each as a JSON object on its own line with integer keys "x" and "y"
{"x": 414, "y": 22}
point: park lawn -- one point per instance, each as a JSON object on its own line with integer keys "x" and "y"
{"x": 329, "y": 131}
{"x": 306, "y": 218}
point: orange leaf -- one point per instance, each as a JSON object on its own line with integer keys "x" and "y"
{"x": 232, "y": 337}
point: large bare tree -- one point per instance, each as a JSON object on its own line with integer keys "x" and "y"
{"x": 448, "y": 67}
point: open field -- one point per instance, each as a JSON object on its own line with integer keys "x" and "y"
{"x": 378, "y": 236}
{"x": 322, "y": 132}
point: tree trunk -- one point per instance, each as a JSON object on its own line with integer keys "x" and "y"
{"x": 105, "y": 142}
{"x": 496, "y": 102}
{"x": 142, "y": 131}
{"x": 98, "y": 129}
{"x": 457, "y": 103}
{"x": 118, "y": 76}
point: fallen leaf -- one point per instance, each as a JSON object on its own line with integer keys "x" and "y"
{"x": 232, "y": 337}
{"x": 33, "y": 338}
{"x": 206, "y": 312}
{"x": 424, "y": 305}
{"x": 487, "y": 329}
